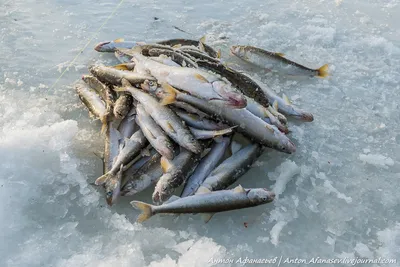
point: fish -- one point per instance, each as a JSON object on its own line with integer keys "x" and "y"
{"x": 123, "y": 58}
{"x": 175, "y": 174}
{"x": 179, "y": 58}
{"x": 232, "y": 168}
{"x": 245, "y": 84}
{"x": 154, "y": 134}
{"x": 114, "y": 76}
{"x": 147, "y": 175}
{"x": 206, "y": 165}
{"x": 93, "y": 102}
{"x": 188, "y": 108}
{"x": 206, "y": 134}
{"x": 103, "y": 90}
{"x": 111, "y": 46}
{"x": 196, "y": 121}
{"x": 276, "y": 61}
{"x": 122, "y": 106}
{"x": 248, "y": 124}
{"x": 164, "y": 117}
{"x": 187, "y": 42}
{"x": 208, "y": 203}
{"x": 111, "y": 145}
{"x": 283, "y": 105}
{"x": 199, "y": 83}
{"x": 112, "y": 179}
{"x": 128, "y": 125}
{"x": 165, "y": 60}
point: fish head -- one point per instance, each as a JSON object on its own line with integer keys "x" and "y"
{"x": 228, "y": 95}
{"x": 191, "y": 143}
{"x": 260, "y": 195}
{"x": 104, "y": 47}
{"x": 165, "y": 148}
{"x": 149, "y": 86}
{"x": 113, "y": 189}
{"x": 238, "y": 50}
{"x": 284, "y": 144}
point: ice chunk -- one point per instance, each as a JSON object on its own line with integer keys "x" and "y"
{"x": 286, "y": 171}
{"x": 376, "y": 160}
{"x": 330, "y": 189}
{"x": 275, "y": 232}
{"x": 363, "y": 251}
{"x": 389, "y": 238}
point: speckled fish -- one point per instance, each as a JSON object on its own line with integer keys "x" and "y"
{"x": 247, "y": 123}
{"x": 165, "y": 118}
{"x": 195, "y": 121}
{"x": 187, "y": 42}
{"x": 243, "y": 83}
{"x": 232, "y": 168}
{"x": 175, "y": 56}
{"x": 276, "y": 61}
{"x": 208, "y": 203}
{"x": 147, "y": 175}
{"x": 206, "y": 165}
{"x": 111, "y": 46}
{"x": 154, "y": 134}
{"x": 93, "y": 102}
{"x": 175, "y": 174}
{"x": 114, "y": 76}
{"x": 112, "y": 179}
{"x": 122, "y": 106}
{"x": 103, "y": 90}
{"x": 199, "y": 83}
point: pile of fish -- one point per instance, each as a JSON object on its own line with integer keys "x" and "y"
{"x": 175, "y": 115}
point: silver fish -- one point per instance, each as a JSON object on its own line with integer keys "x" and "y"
{"x": 111, "y": 46}
{"x": 147, "y": 175}
{"x": 276, "y": 61}
{"x": 194, "y": 81}
{"x": 111, "y": 145}
{"x": 175, "y": 174}
{"x": 112, "y": 179}
{"x": 176, "y": 57}
{"x": 207, "y": 134}
{"x": 206, "y": 165}
{"x": 184, "y": 106}
{"x": 200, "y": 123}
{"x": 208, "y": 202}
{"x": 232, "y": 168}
{"x": 154, "y": 134}
{"x": 128, "y": 125}
{"x": 114, "y": 76}
{"x": 247, "y": 123}
{"x": 165, "y": 118}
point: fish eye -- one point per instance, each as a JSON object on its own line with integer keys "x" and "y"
{"x": 109, "y": 194}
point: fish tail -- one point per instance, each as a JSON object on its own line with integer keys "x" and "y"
{"x": 103, "y": 179}
{"x": 224, "y": 131}
{"x": 323, "y": 71}
{"x": 169, "y": 96}
{"x": 145, "y": 208}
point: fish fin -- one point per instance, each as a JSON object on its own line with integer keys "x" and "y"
{"x": 165, "y": 164}
{"x": 145, "y": 208}
{"x": 104, "y": 124}
{"x": 200, "y": 78}
{"x": 170, "y": 96}
{"x": 239, "y": 189}
{"x": 275, "y": 105}
{"x": 125, "y": 82}
{"x": 123, "y": 66}
{"x": 280, "y": 54}
{"x": 203, "y": 190}
{"x": 269, "y": 127}
{"x": 224, "y": 131}
{"x": 103, "y": 179}
{"x": 219, "y": 53}
{"x": 170, "y": 127}
{"x": 119, "y": 40}
{"x": 172, "y": 199}
{"x": 286, "y": 99}
{"x": 177, "y": 46}
{"x": 323, "y": 71}
{"x": 146, "y": 129}
{"x": 207, "y": 217}
{"x": 203, "y": 39}
{"x": 100, "y": 155}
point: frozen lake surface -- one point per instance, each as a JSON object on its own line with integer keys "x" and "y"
{"x": 338, "y": 194}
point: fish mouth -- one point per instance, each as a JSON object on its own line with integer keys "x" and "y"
{"x": 271, "y": 195}
{"x": 307, "y": 117}
{"x": 291, "y": 147}
{"x": 99, "y": 47}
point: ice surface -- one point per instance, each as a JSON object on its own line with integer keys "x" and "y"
{"x": 338, "y": 194}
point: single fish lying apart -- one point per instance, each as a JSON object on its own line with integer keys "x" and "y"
{"x": 276, "y": 61}
{"x": 208, "y": 202}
